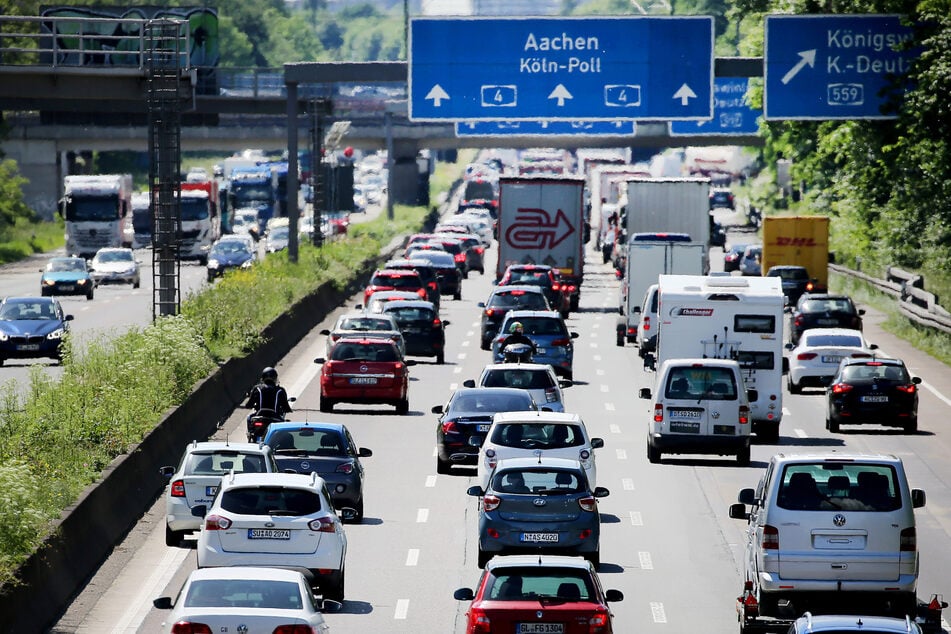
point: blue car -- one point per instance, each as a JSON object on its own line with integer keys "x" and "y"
{"x": 67, "y": 276}
{"x": 231, "y": 253}
{"x": 32, "y": 327}
{"x": 548, "y": 332}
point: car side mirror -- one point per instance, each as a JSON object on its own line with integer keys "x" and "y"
{"x": 363, "y": 452}
{"x": 463, "y": 594}
{"x": 325, "y": 332}
{"x": 329, "y": 605}
{"x": 446, "y": 322}
{"x": 613, "y": 596}
{"x": 68, "y": 318}
{"x": 162, "y": 603}
{"x": 738, "y": 512}
{"x": 601, "y": 492}
{"x": 644, "y": 392}
{"x": 481, "y": 304}
{"x": 747, "y": 496}
{"x": 636, "y": 309}
{"x": 358, "y": 306}
{"x": 861, "y": 311}
{"x": 200, "y": 510}
{"x": 468, "y": 383}
{"x": 574, "y": 335}
{"x": 597, "y": 443}
{"x": 167, "y": 472}
{"x": 320, "y": 360}
{"x": 918, "y": 498}
{"x": 437, "y": 409}
{"x": 409, "y": 362}
{"x": 565, "y": 382}
{"x": 787, "y": 308}
{"x": 752, "y": 395}
{"x": 475, "y": 491}
{"x": 873, "y": 346}
{"x": 916, "y": 380}
{"x": 789, "y": 346}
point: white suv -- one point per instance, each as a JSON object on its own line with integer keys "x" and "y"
{"x": 539, "y": 379}
{"x": 537, "y": 434}
{"x": 830, "y": 531}
{"x": 195, "y": 481}
{"x": 277, "y": 520}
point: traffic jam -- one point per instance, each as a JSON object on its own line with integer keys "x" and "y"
{"x": 830, "y": 541}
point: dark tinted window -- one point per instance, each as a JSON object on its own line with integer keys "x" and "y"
{"x": 827, "y": 306}
{"x": 491, "y": 403}
{"x": 396, "y": 281}
{"x": 753, "y": 360}
{"x": 345, "y": 351}
{"x": 754, "y": 323}
{"x": 875, "y": 372}
{"x": 270, "y": 501}
{"x": 410, "y": 313}
{"x": 221, "y": 462}
{"x": 519, "y": 584}
{"x": 518, "y": 299}
{"x": 317, "y": 442}
{"x": 523, "y": 379}
{"x": 538, "y": 435}
{"x": 838, "y": 486}
{"x": 710, "y": 383}
{"x": 479, "y": 190}
{"x": 550, "y": 481}
{"x": 244, "y": 593}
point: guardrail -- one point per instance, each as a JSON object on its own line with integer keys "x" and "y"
{"x": 914, "y": 302}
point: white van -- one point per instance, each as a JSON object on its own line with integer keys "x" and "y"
{"x": 648, "y": 328}
{"x": 831, "y": 531}
{"x": 701, "y": 406}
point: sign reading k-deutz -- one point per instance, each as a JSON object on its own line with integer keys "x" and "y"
{"x": 833, "y": 66}
{"x": 634, "y": 68}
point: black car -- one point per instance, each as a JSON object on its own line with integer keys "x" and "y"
{"x": 876, "y": 391}
{"x": 466, "y": 418}
{"x": 824, "y": 311}
{"x": 328, "y": 450}
{"x": 795, "y": 281}
{"x": 423, "y": 331}
{"x": 447, "y": 273}
{"x": 427, "y": 273}
{"x": 732, "y": 256}
{"x": 722, "y": 198}
{"x": 504, "y": 299}
{"x": 540, "y": 275}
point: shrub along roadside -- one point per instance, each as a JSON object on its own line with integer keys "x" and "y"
{"x": 57, "y": 440}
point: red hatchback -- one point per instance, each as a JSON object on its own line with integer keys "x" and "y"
{"x": 364, "y": 370}
{"x": 539, "y": 593}
{"x": 394, "y": 280}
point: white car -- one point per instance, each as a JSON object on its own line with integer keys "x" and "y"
{"x": 815, "y": 359}
{"x": 538, "y": 378}
{"x": 284, "y": 520}
{"x": 377, "y": 300}
{"x": 195, "y": 481}
{"x": 243, "y": 599}
{"x": 115, "y": 265}
{"x": 369, "y": 323}
{"x": 538, "y": 434}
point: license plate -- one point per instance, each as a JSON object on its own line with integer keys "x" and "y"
{"x": 483, "y": 427}
{"x": 690, "y": 414}
{"x": 211, "y": 491}
{"x": 269, "y": 533}
{"x": 363, "y": 380}
{"x": 684, "y": 427}
{"x": 831, "y": 358}
{"x": 540, "y": 628}
{"x": 539, "y": 538}
{"x": 67, "y": 287}
{"x": 27, "y": 347}
{"x": 413, "y": 331}
{"x": 541, "y": 350}
{"x": 827, "y": 322}
{"x": 875, "y": 398}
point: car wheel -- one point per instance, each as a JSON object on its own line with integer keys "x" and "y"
{"x": 768, "y": 432}
{"x": 653, "y": 453}
{"x": 90, "y": 294}
{"x": 44, "y": 292}
{"x": 443, "y": 467}
{"x": 465, "y": 274}
{"x": 911, "y": 427}
{"x": 794, "y": 388}
{"x": 565, "y": 314}
{"x": 137, "y": 283}
{"x": 326, "y": 405}
{"x": 832, "y": 424}
{"x": 211, "y": 278}
{"x": 440, "y": 357}
{"x": 573, "y": 303}
{"x": 402, "y": 407}
{"x": 486, "y": 344}
{"x": 483, "y": 558}
{"x": 743, "y": 456}
{"x": 335, "y": 586}
{"x": 358, "y": 512}
{"x": 457, "y": 295}
{"x": 482, "y": 271}
{"x": 620, "y": 338}
{"x": 173, "y": 538}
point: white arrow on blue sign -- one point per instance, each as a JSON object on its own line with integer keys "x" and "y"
{"x": 833, "y": 66}
{"x": 732, "y": 114}
{"x": 568, "y": 69}
{"x": 545, "y": 128}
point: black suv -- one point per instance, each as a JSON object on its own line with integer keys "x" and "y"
{"x": 823, "y": 310}
{"x": 501, "y": 301}
{"x": 795, "y": 281}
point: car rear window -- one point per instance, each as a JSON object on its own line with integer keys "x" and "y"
{"x": 538, "y": 435}
{"x": 410, "y": 313}
{"x": 270, "y": 501}
{"x": 479, "y": 191}
{"x": 396, "y": 281}
{"x": 520, "y": 584}
{"x": 345, "y": 351}
{"x": 543, "y": 326}
{"x": 789, "y": 274}
{"x": 709, "y": 383}
{"x": 220, "y": 463}
{"x": 524, "y": 300}
{"x": 838, "y": 486}
{"x": 851, "y": 341}
{"x": 244, "y": 593}
{"x": 316, "y": 442}
{"x": 536, "y": 481}
{"x": 523, "y": 379}
{"x": 366, "y": 324}
{"x": 868, "y": 373}
{"x": 535, "y": 278}
{"x": 492, "y": 403}
{"x": 827, "y": 306}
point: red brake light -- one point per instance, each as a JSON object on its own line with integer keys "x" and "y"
{"x": 346, "y": 467}
{"x": 907, "y": 389}
{"x": 421, "y": 292}
{"x": 589, "y": 504}
{"x": 449, "y": 426}
{"x": 437, "y": 323}
{"x": 561, "y": 342}
{"x": 322, "y": 525}
{"x": 647, "y": 324}
{"x": 489, "y": 312}
{"x": 479, "y": 621}
{"x": 217, "y": 523}
{"x": 298, "y": 628}
{"x": 798, "y": 321}
{"x": 459, "y": 257}
{"x": 555, "y": 287}
{"x": 771, "y": 537}
{"x": 177, "y": 489}
{"x": 744, "y": 414}
{"x": 659, "y": 413}
{"x": 599, "y": 622}
{"x": 490, "y": 503}
{"x": 184, "y": 627}
{"x": 516, "y": 292}
{"x": 908, "y": 540}
{"x": 806, "y": 356}
{"x": 841, "y": 388}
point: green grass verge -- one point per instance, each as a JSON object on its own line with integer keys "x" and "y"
{"x": 27, "y": 238}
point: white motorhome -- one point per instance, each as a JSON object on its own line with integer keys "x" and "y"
{"x": 94, "y": 209}
{"x": 725, "y": 317}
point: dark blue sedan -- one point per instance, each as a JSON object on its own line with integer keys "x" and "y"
{"x": 229, "y": 254}
{"x": 32, "y": 327}
{"x": 67, "y": 276}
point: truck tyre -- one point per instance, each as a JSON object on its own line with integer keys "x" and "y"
{"x": 768, "y": 431}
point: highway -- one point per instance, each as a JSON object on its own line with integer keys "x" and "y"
{"x": 667, "y": 541}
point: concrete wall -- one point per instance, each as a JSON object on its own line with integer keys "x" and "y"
{"x": 108, "y": 509}
{"x": 37, "y": 160}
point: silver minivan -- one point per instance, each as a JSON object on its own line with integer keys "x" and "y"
{"x": 825, "y": 530}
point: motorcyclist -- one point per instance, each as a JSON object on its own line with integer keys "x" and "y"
{"x": 517, "y": 335}
{"x": 268, "y": 395}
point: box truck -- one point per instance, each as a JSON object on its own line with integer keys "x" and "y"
{"x": 800, "y": 241}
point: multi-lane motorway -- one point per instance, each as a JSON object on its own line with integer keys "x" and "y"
{"x": 667, "y": 541}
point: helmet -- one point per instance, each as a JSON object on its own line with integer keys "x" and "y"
{"x": 269, "y": 375}
{"x": 516, "y": 327}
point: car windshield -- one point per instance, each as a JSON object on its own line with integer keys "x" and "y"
{"x": 346, "y": 351}
{"x": 114, "y": 256}
{"x": 270, "y": 500}
{"x": 220, "y": 463}
{"x": 66, "y": 264}
{"x": 244, "y": 593}
{"x": 827, "y": 306}
{"x": 307, "y": 440}
{"x": 229, "y": 247}
{"x": 839, "y": 486}
{"x": 537, "y": 582}
{"x": 701, "y": 383}
{"x": 27, "y": 310}
{"x": 518, "y": 299}
{"x": 540, "y": 325}
{"x": 535, "y": 481}
{"x": 520, "y": 378}
{"x": 491, "y": 403}
{"x": 833, "y": 341}
{"x": 538, "y": 435}
{"x": 363, "y": 324}
{"x": 872, "y": 372}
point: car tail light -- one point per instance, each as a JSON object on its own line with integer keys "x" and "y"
{"x": 177, "y": 488}
{"x": 632, "y": 330}
{"x": 480, "y": 250}
{"x": 433, "y": 286}
{"x": 806, "y": 356}
{"x": 809, "y": 287}
{"x": 659, "y": 413}
{"x": 421, "y": 292}
{"x": 744, "y": 414}
{"x": 600, "y": 622}
{"x": 184, "y": 627}
{"x": 908, "y": 389}
{"x": 647, "y": 324}
{"x": 480, "y": 621}
{"x": 459, "y": 257}
{"x": 450, "y": 427}
{"x": 298, "y": 628}
{"x": 556, "y": 287}
{"x": 909, "y": 540}
{"x": 437, "y": 323}
{"x": 516, "y": 292}
{"x": 217, "y": 523}
{"x": 561, "y": 342}
{"x": 489, "y": 312}
{"x": 770, "y": 537}
{"x": 490, "y": 502}
{"x": 346, "y": 467}
{"x": 797, "y": 322}
{"x": 551, "y": 396}
{"x": 842, "y": 388}
{"x": 490, "y": 459}
{"x": 322, "y": 525}
{"x": 589, "y": 504}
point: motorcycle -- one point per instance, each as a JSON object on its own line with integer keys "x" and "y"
{"x": 259, "y": 421}
{"x": 517, "y": 353}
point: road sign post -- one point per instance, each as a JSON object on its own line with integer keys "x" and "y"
{"x": 833, "y": 66}
{"x": 569, "y": 69}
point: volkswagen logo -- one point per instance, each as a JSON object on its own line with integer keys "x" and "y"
{"x": 838, "y": 519}
{"x": 714, "y": 415}
{"x": 539, "y": 502}
{"x": 304, "y": 465}
{"x": 539, "y": 614}
{"x": 242, "y": 629}
{"x": 269, "y": 524}
{"x": 363, "y": 368}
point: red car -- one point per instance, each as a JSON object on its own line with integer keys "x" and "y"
{"x": 539, "y": 593}
{"x": 394, "y": 280}
{"x": 364, "y": 370}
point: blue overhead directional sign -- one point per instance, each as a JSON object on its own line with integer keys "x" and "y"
{"x": 832, "y": 66}
{"x": 490, "y": 69}
{"x": 545, "y": 128}
{"x": 732, "y": 113}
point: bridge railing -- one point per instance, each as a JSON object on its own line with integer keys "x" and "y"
{"x": 83, "y": 42}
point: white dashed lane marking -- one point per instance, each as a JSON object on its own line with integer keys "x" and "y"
{"x": 596, "y": 357}
{"x": 453, "y": 387}
{"x": 627, "y": 484}
{"x": 657, "y": 611}
{"x": 801, "y": 433}
{"x": 402, "y": 607}
{"x": 412, "y": 557}
{"x": 430, "y": 481}
{"x": 422, "y": 516}
{"x": 609, "y": 407}
{"x": 462, "y": 355}
{"x": 465, "y": 344}
{"x": 621, "y": 454}
{"x": 636, "y": 519}
{"x": 644, "y": 558}
{"x": 615, "y": 429}
{"x": 605, "y": 388}
{"x": 457, "y": 370}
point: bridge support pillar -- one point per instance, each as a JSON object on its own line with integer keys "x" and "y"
{"x": 409, "y": 181}
{"x": 38, "y": 161}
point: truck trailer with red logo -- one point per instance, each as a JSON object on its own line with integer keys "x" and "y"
{"x": 541, "y": 221}
{"x": 800, "y": 241}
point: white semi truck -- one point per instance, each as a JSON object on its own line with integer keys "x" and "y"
{"x": 94, "y": 208}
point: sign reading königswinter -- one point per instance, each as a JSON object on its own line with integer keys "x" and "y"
{"x": 511, "y": 69}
